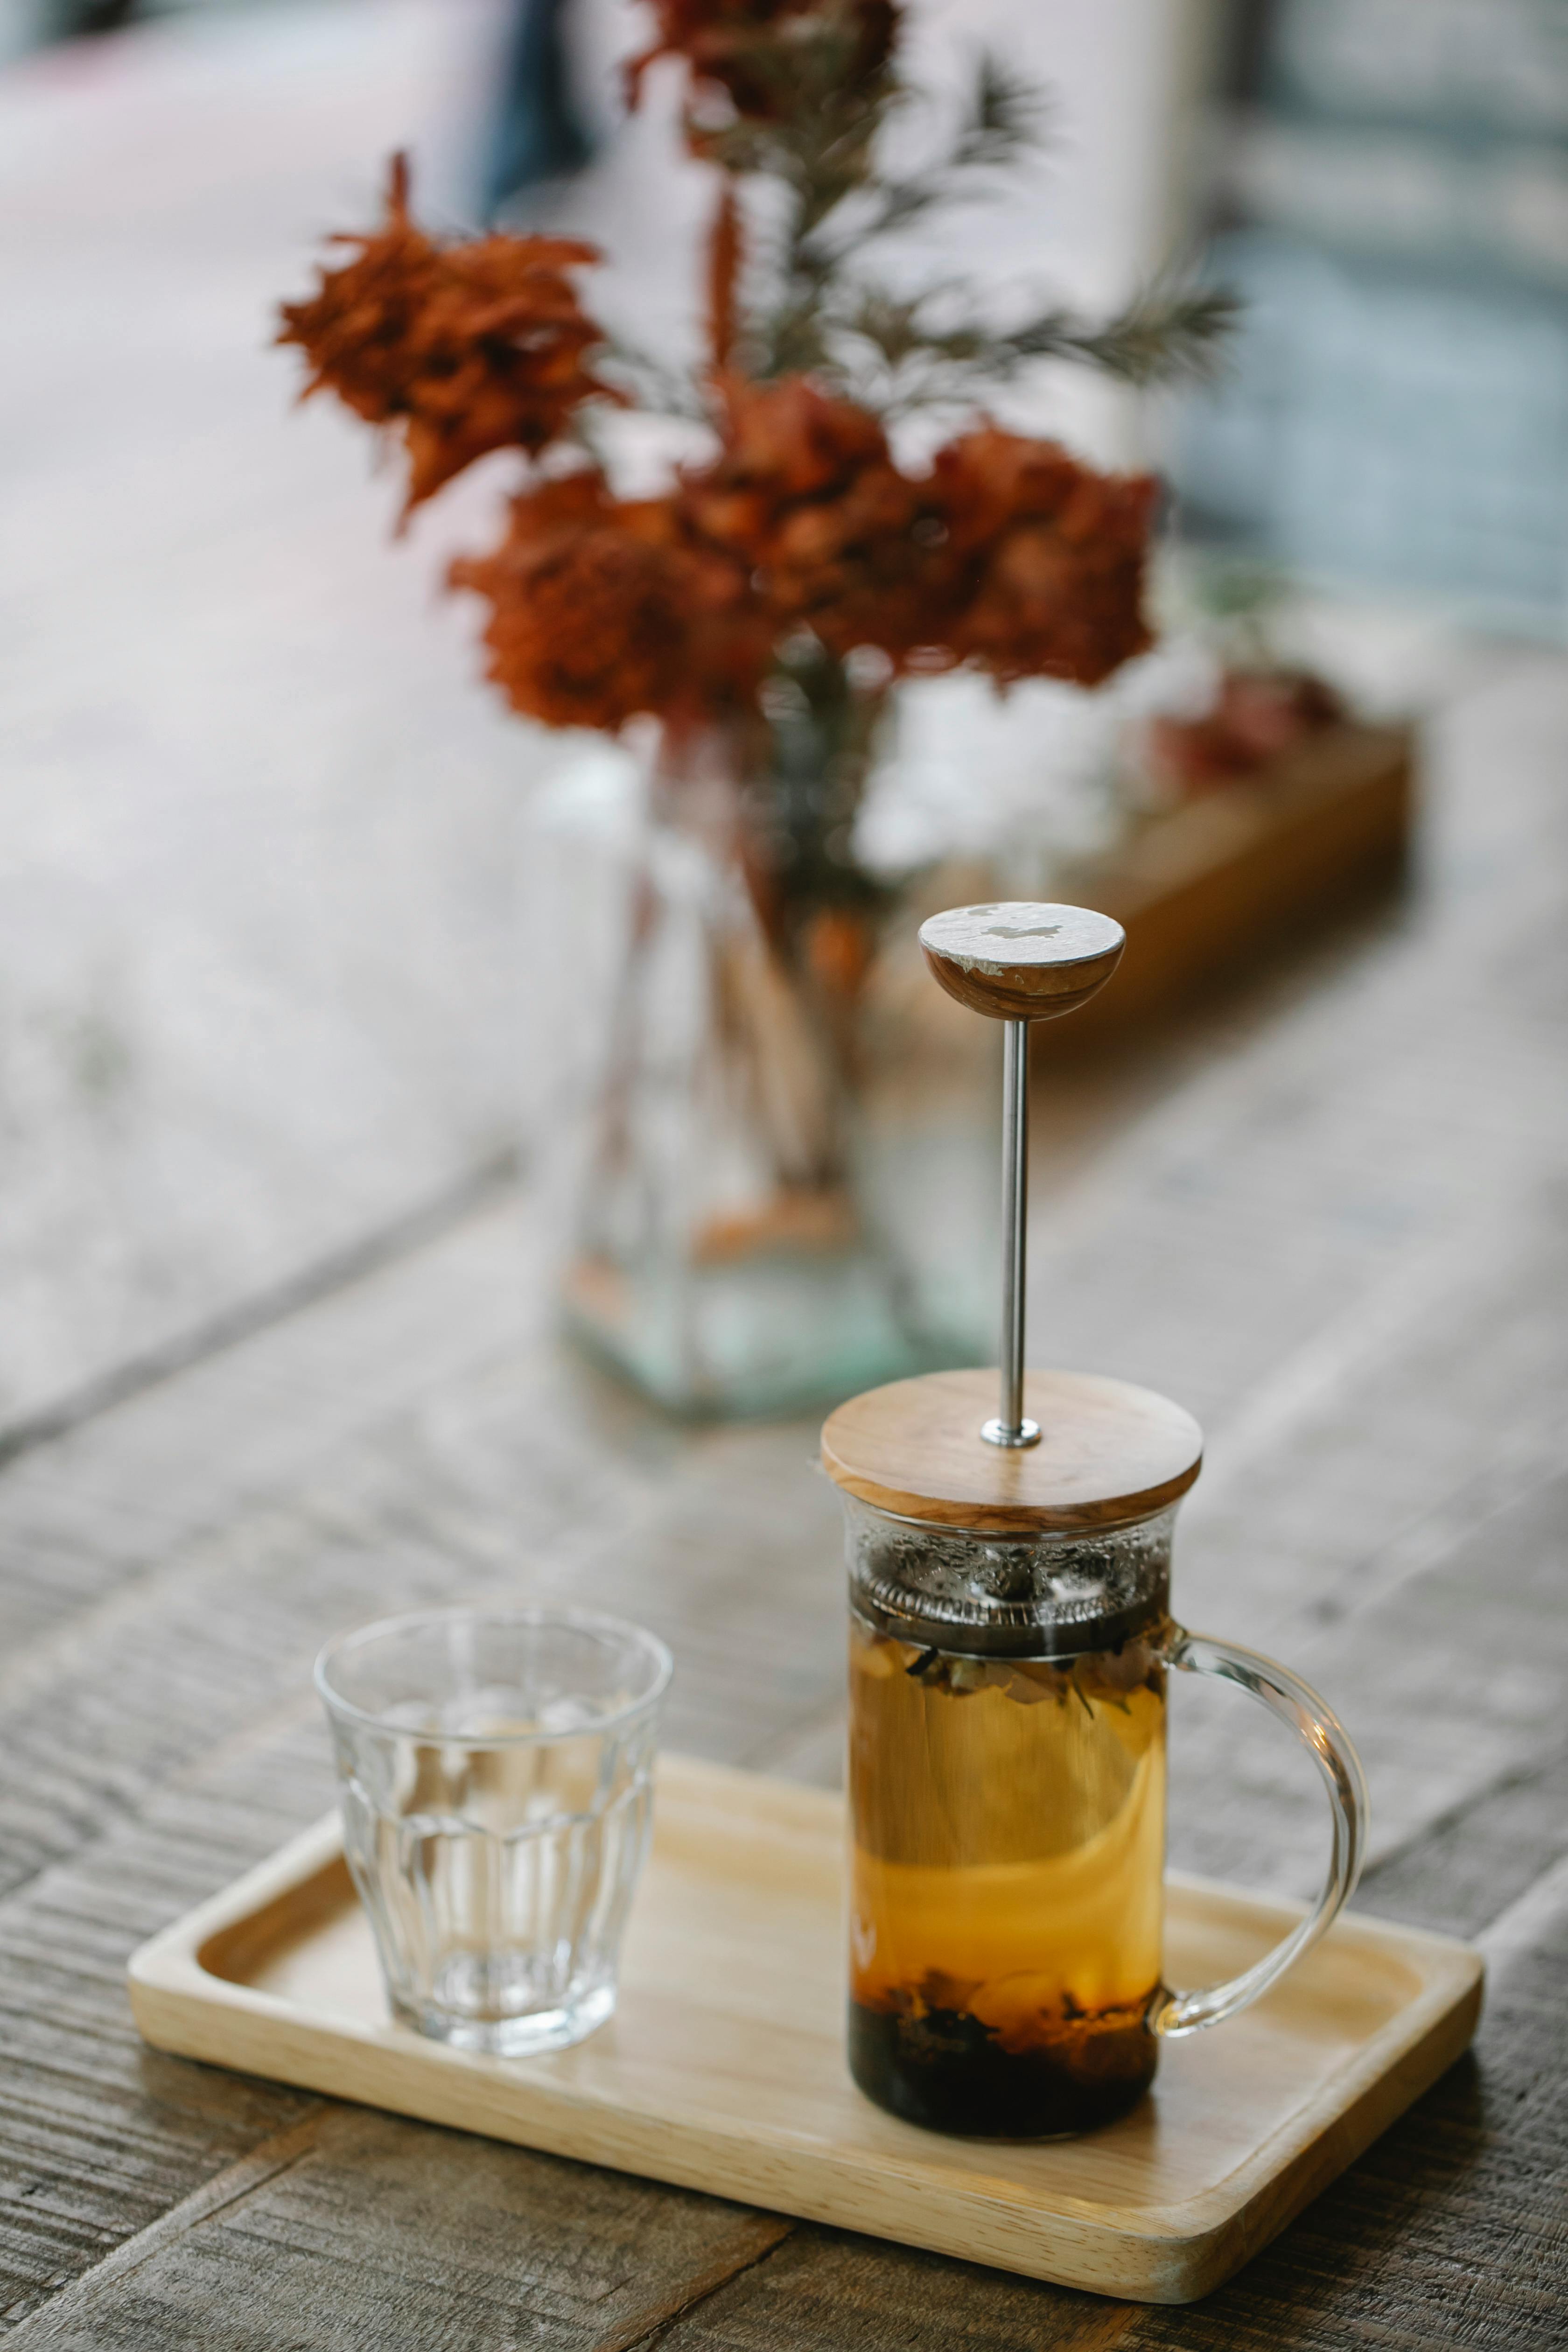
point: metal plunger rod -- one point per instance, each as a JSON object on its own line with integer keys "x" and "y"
{"x": 1015, "y": 1225}
{"x": 1018, "y": 962}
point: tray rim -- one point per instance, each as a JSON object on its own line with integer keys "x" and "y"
{"x": 1178, "y": 2251}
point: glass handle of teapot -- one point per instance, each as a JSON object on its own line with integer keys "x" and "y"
{"x": 1319, "y": 1730}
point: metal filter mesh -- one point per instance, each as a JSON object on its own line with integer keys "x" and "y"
{"x": 989, "y": 1596}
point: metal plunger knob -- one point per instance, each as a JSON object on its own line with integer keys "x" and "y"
{"x": 1019, "y": 963}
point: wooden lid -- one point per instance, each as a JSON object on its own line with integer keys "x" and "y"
{"x": 1021, "y": 960}
{"x": 1109, "y": 1452}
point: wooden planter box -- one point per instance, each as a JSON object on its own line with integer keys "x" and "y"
{"x": 1214, "y": 885}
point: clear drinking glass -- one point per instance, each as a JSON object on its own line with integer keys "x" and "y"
{"x": 497, "y": 1797}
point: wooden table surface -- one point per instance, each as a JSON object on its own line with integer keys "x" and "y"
{"x": 1329, "y": 1217}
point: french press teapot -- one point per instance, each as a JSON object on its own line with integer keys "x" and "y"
{"x": 1010, "y": 1638}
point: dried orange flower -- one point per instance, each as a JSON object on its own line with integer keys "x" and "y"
{"x": 1010, "y": 555}
{"x": 805, "y": 495}
{"x": 1259, "y": 717}
{"x": 1042, "y": 560}
{"x": 463, "y": 348}
{"x": 600, "y": 609}
{"x": 742, "y": 47}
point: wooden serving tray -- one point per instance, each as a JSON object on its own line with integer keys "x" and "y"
{"x": 723, "y": 2067}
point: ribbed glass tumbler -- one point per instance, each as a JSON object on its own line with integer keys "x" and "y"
{"x": 496, "y": 1795}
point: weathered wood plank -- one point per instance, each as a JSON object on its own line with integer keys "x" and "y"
{"x": 1425, "y": 1424}
{"x": 356, "y": 2230}
{"x": 1485, "y": 1853}
{"x": 112, "y": 1499}
{"x": 228, "y": 1627}
{"x": 1452, "y": 1685}
{"x": 825, "y": 2290}
{"x": 97, "y": 2135}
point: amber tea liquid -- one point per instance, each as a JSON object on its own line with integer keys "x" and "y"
{"x": 1007, "y": 1864}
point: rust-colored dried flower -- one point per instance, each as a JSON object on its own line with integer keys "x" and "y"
{"x": 805, "y": 495}
{"x": 462, "y": 348}
{"x": 1258, "y": 717}
{"x": 1041, "y": 563}
{"x": 1010, "y": 555}
{"x": 600, "y": 609}
{"x": 742, "y": 46}
{"x": 725, "y": 254}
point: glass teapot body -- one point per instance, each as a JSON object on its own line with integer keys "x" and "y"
{"x": 1007, "y": 1810}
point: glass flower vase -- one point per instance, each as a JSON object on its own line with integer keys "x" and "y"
{"x": 781, "y": 1186}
